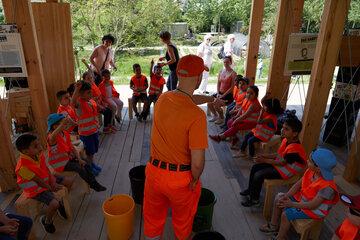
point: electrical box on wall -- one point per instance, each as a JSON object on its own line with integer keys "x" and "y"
{"x": 12, "y": 60}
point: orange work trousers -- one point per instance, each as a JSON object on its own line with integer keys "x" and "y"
{"x": 165, "y": 188}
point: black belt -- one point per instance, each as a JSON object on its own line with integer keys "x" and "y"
{"x": 170, "y": 166}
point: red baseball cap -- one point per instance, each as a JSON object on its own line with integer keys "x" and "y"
{"x": 350, "y": 201}
{"x": 190, "y": 66}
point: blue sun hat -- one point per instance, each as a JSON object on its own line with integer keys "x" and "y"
{"x": 52, "y": 119}
{"x": 326, "y": 161}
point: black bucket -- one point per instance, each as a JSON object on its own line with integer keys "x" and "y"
{"x": 208, "y": 235}
{"x": 137, "y": 180}
{"x": 204, "y": 213}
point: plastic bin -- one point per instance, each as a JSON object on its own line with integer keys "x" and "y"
{"x": 137, "y": 180}
{"x": 204, "y": 213}
{"x": 119, "y": 216}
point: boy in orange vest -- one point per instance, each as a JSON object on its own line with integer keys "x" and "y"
{"x": 65, "y": 109}
{"x": 350, "y": 228}
{"x": 61, "y": 154}
{"x": 86, "y": 117}
{"x": 310, "y": 198}
{"x": 156, "y": 86}
{"x": 139, "y": 84}
{"x": 289, "y": 160}
{"x": 34, "y": 177}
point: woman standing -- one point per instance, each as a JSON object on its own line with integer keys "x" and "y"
{"x": 204, "y": 51}
{"x": 228, "y": 47}
{"x": 172, "y": 58}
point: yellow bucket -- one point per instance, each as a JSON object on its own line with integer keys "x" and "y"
{"x": 119, "y": 216}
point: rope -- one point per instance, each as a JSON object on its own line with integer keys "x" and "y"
{"x": 302, "y": 107}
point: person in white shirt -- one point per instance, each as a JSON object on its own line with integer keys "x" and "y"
{"x": 228, "y": 47}
{"x": 204, "y": 51}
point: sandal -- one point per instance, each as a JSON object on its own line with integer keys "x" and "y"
{"x": 269, "y": 229}
{"x": 216, "y": 138}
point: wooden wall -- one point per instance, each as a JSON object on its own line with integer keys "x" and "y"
{"x": 54, "y": 32}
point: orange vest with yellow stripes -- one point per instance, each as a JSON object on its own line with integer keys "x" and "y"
{"x": 263, "y": 131}
{"x": 71, "y": 113}
{"x": 138, "y": 84}
{"x": 87, "y": 122}
{"x": 59, "y": 159}
{"x": 253, "y": 117}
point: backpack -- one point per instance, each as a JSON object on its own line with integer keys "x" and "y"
{"x": 221, "y": 53}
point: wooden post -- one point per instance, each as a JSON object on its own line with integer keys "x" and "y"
{"x": 25, "y": 23}
{"x": 7, "y": 159}
{"x": 322, "y": 72}
{"x": 257, "y": 10}
{"x": 284, "y": 26}
{"x": 298, "y": 7}
{"x": 353, "y": 163}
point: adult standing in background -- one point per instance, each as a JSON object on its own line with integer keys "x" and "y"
{"x": 204, "y": 51}
{"x": 102, "y": 58}
{"x": 172, "y": 58}
{"x": 228, "y": 47}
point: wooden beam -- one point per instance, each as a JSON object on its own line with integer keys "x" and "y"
{"x": 252, "y": 51}
{"x": 284, "y": 26}
{"x": 7, "y": 159}
{"x": 54, "y": 32}
{"x": 25, "y": 23}
{"x": 344, "y": 55}
{"x": 351, "y": 172}
{"x": 52, "y": 1}
{"x": 322, "y": 72}
{"x": 298, "y": 7}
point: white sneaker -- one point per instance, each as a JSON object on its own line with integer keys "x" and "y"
{"x": 220, "y": 121}
{"x": 213, "y": 119}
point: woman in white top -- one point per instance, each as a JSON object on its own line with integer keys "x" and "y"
{"x": 228, "y": 47}
{"x": 204, "y": 51}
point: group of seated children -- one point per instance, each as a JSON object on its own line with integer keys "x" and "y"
{"x": 139, "y": 84}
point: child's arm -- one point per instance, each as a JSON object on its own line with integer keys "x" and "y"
{"x": 54, "y": 187}
{"x": 132, "y": 87}
{"x": 252, "y": 108}
{"x": 268, "y": 155}
{"x": 87, "y": 66}
{"x": 151, "y": 68}
{"x": 266, "y": 96}
{"x": 281, "y": 162}
{"x": 41, "y": 182}
{"x": 62, "y": 126}
{"x": 286, "y": 202}
{"x": 78, "y": 157}
{"x": 335, "y": 237}
{"x": 113, "y": 64}
{"x": 75, "y": 96}
{"x": 294, "y": 189}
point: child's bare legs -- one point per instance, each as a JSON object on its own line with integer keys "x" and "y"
{"x": 67, "y": 182}
{"x": 53, "y": 206}
{"x": 219, "y": 111}
{"x": 135, "y": 108}
{"x": 284, "y": 226}
{"x": 211, "y": 106}
{"x": 112, "y": 106}
{"x": 119, "y": 106}
{"x": 276, "y": 212}
{"x": 90, "y": 158}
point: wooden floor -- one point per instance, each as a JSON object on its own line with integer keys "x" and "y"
{"x": 223, "y": 175}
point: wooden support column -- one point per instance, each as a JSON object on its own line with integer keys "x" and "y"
{"x": 252, "y": 51}
{"x": 7, "y": 159}
{"x": 322, "y": 72}
{"x": 353, "y": 163}
{"x": 284, "y": 26}
{"x": 25, "y": 23}
{"x": 298, "y": 6}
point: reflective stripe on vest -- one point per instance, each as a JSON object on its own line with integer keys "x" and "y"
{"x": 263, "y": 131}
{"x": 87, "y": 120}
{"x": 253, "y": 117}
{"x": 87, "y": 123}
{"x": 138, "y": 84}
{"x": 310, "y": 189}
{"x": 60, "y": 158}
{"x": 153, "y": 89}
{"x": 348, "y": 230}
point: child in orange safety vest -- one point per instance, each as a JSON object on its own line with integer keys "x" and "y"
{"x": 266, "y": 127}
{"x": 36, "y": 180}
{"x": 156, "y": 86}
{"x": 86, "y": 117}
{"x": 62, "y": 156}
{"x": 65, "y": 109}
{"x": 139, "y": 84}
{"x": 287, "y": 162}
{"x": 310, "y": 198}
{"x": 350, "y": 228}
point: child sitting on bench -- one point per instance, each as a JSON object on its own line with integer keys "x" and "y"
{"x": 310, "y": 198}
{"x": 139, "y": 84}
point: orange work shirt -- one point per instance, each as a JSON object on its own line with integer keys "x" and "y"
{"x": 178, "y": 127}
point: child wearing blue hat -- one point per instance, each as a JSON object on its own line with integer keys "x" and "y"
{"x": 62, "y": 156}
{"x": 311, "y": 197}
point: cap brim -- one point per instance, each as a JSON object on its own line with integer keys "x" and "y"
{"x": 48, "y": 130}
{"x": 206, "y": 68}
{"x": 327, "y": 175}
{"x": 350, "y": 201}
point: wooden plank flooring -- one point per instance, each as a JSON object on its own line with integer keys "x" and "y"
{"x": 223, "y": 175}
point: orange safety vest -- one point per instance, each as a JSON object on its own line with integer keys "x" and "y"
{"x": 71, "y": 113}
{"x": 348, "y": 231}
{"x": 114, "y": 93}
{"x": 241, "y": 96}
{"x": 309, "y": 190}
{"x": 96, "y": 94}
{"x": 30, "y": 187}
{"x": 138, "y": 84}
{"x": 155, "y": 85}
{"x": 289, "y": 170}
{"x": 235, "y": 92}
{"x": 263, "y": 131}
{"x": 253, "y": 117}
{"x": 87, "y": 122}
{"x": 59, "y": 159}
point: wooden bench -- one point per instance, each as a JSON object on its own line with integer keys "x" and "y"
{"x": 272, "y": 145}
{"x": 308, "y": 228}
{"x": 271, "y": 184}
{"x": 131, "y": 108}
{"x": 23, "y": 206}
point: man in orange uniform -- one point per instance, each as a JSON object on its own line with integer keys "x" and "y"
{"x": 177, "y": 155}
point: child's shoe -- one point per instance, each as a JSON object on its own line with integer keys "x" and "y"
{"x": 95, "y": 172}
{"x": 138, "y": 117}
{"x": 144, "y": 116}
{"x": 48, "y": 227}
{"x": 107, "y": 130}
{"x": 239, "y": 154}
{"x": 118, "y": 119}
{"x": 268, "y": 229}
{"x": 96, "y": 167}
{"x": 61, "y": 211}
{"x": 97, "y": 187}
{"x": 234, "y": 141}
{"x": 216, "y": 138}
{"x": 245, "y": 192}
{"x": 251, "y": 203}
